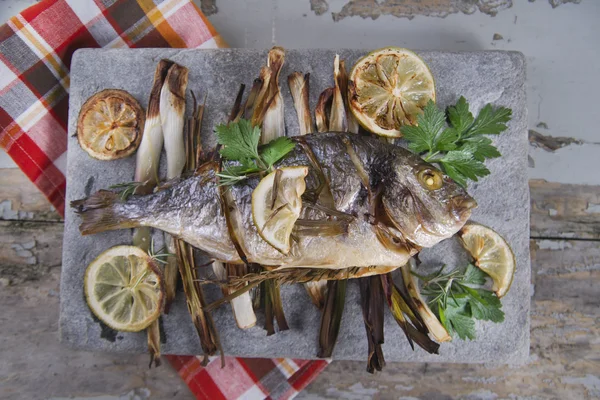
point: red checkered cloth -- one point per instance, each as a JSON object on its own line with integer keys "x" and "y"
{"x": 36, "y": 47}
{"x": 247, "y": 378}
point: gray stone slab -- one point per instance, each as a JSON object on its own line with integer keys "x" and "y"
{"x": 482, "y": 77}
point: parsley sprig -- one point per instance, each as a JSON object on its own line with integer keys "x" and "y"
{"x": 240, "y": 143}
{"x": 453, "y": 139}
{"x": 459, "y": 299}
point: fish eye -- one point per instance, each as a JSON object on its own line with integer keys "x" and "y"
{"x": 430, "y": 179}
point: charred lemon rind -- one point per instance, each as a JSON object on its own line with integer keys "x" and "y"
{"x": 389, "y": 88}
{"x": 124, "y": 286}
{"x": 99, "y": 123}
{"x": 492, "y": 255}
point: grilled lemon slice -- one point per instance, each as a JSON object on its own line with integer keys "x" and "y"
{"x": 124, "y": 288}
{"x": 391, "y": 86}
{"x": 492, "y": 255}
{"x": 110, "y": 125}
{"x": 276, "y": 205}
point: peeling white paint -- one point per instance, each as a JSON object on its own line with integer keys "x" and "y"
{"x": 6, "y": 211}
{"x": 403, "y": 388}
{"x": 25, "y": 215}
{"x": 593, "y": 208}
{"x": 552, "y": 212}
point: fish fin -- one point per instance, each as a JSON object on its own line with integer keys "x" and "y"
{"x": 99, "y": 213}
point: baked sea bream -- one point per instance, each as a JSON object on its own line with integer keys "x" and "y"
{"x": 387, "y": 202}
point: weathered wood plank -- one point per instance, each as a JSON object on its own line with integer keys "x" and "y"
{"x": 565, "y": 351}
{"x": 21, "y": 200}
{"x": 35, "y": 365}
{"x": 564, "y": 211}
{"x": 28, "y": 249}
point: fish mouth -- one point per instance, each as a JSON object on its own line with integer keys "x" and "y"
{"x": 462, "y": 206}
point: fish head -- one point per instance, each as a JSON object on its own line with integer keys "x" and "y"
{"x": 425, "y": 205}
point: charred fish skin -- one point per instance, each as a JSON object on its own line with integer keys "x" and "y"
{"x": 354, "y": 167}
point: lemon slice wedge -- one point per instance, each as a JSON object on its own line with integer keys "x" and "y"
{"x": 124, "y": 288}
{"x": 110, "y": 125}
{"x": 391, "y": 86}
{"x": 492, "y": 255}
{"x": 276, "y": 205}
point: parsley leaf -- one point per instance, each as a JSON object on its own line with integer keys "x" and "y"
{"x": 239, "y": 141}
{"x": 486, "y": 306}
{"x": 481, "y": 147}
{"x": 446, "y": 141}
{"x": 458, "y": 319}
{"x": 276, "y": 149}
{"x": 460, "y": 117}
{"x": 425, "y": 135}
{"x": 459, "y": 148}
{"x": 474, "y": 275}
{"x": 490, "y": 121}
{"x": 460, "y": 165}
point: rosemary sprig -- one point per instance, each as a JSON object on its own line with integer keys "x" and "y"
{"x": 159, "y": 256}
{"x": 126, "y": 189}
{"x": 459, "y": 298}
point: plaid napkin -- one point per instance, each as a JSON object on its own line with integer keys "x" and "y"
{"x": 36, "y": 47}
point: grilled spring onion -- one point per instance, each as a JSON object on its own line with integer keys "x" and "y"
{"x": 242, "y": 308}
{"x": 146, "y": 171}
{"x": 334, "y": 293}
{"x": 300, "y": 88}
{"x": 273, "y": 126}
{"x": 341, "y": 80}
{"x": 317, "y": 291}
{"x": 172, "y": 117}
{"x": 261, "y": 100}
{"x": 338, "y": 121}
{"x": 148, "y": 154}
{"x": 371, "y": 301}
{"x": 241, "y": 305}
{"x": 205, "y": 326}
{"x": 435, "y": 327}
{"x": 321, "y": 111}
{"x": 401, "y": 310}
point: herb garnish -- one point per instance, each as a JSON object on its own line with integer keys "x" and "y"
{"x": 239, "y": 141}
{"x": 125, "y": 190}
{"x": 459, "y": 148}
{"x": 459, "y": 299}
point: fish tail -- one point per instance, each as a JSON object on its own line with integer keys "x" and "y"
{"x": 101, "y": 212}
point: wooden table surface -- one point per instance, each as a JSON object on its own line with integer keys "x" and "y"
{"x": 565, "y": 328}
